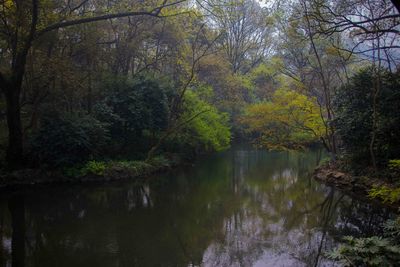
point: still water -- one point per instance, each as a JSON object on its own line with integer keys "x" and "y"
{"x": 242, "y": 207}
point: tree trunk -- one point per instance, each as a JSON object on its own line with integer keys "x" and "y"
{"x": 15, "y": 146}
{"x": 396, "y": 4}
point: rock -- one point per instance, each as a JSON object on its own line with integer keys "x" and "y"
{"x": 338, "y": 175}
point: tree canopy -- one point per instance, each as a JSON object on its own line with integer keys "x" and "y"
{"x": 150, "y": 73}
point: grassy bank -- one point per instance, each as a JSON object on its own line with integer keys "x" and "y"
{"x": 91, "y": 171}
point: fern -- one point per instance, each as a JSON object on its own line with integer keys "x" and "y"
{"x": 371, "y": 251}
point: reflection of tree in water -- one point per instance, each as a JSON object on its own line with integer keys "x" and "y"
{"x": 5, "y": 236}
{"x": 283, "y": 215}
{"x": 231, "y": 210}
{"x": 171, "y": 223}
{"x": 359, "y": 218}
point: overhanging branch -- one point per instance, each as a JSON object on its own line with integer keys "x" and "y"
{"x": 63, "y": 24}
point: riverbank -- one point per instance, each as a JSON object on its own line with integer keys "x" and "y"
{"x": 92, "y": 171}
{"x": 365, "y": 186}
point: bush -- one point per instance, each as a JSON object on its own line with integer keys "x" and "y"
{"x": 67, "y": 140}
{"x": 94, "y": 167}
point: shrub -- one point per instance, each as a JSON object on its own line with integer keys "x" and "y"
{"x": 385, "y": 193}
{"x": 94, "y": 167}
{"x": 67, "y": 140}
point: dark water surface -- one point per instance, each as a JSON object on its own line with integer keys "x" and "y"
{"x": 241, "y": 207}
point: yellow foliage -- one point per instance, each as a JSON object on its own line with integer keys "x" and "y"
{"x": 8, "y": 4}
{"x": 290, "y": 120}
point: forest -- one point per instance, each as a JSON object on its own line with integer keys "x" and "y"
{"x": 121, "y": 88}
{"x": 102, "y": 79}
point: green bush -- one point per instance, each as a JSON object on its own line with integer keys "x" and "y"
{"x": 94, "y": 167}
{"x": 68, "y": 140}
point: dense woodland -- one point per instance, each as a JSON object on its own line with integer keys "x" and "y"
{"x": 95, "y": 80}
{"x": 89, "y": 84}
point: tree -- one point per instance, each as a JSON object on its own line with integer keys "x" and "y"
{"x": 313, "y": 62}
{"x": 194, "y": 51}
{"x": 246, "y": 28}
{"x": 355, "y": 116}
{"x": 210, "y": 129}
{"x": 370, "y": 29}
{"x": 290, "y": 120}
{"x": 361, "y": 23}
{"x": 130, "y": 108}
{"x": 23, "y": 23}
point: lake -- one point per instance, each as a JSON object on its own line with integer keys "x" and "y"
{"x": 241, "y": 207}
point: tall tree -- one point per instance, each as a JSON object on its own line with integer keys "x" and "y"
{"x": 23, "y": 23}
{"x": 246, "y": 28}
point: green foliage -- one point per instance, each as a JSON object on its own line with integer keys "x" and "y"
{"x": 353, "y": 104}
{"x": 66, "y": 140}
{"x": 392, "y": 229}
{"x": 133, "y": 107}
{"x": 385, "y": 193}
{"x": 371, "y": 251}
{"x": 91, "y": 167}
{"x": 267, "y": 78}
{"x": 101, "y": 168}
{"x": 206, "y": 127}
{"x": 394, "y": 164}
{"x": 290, "y": 120}
{"x": 94, "y": 167}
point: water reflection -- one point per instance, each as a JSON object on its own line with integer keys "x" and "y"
{"x": 239, "y": 208}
